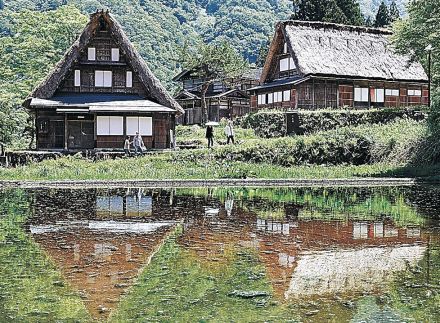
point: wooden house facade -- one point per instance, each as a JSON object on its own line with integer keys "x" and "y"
{"x": 316, "y": 65}
{"x": 99, "y": 93}
{"x": 225, "y": 98}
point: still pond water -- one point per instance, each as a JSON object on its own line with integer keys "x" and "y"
{"x": 220, "y": 255}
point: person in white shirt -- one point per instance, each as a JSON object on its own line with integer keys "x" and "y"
{"x": 229, "y": 132}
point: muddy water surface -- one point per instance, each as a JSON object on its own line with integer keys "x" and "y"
{"x": 244, "y": 255}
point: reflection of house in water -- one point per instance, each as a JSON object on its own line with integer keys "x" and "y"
{"x": 100, "y": 258}
{"x": 132, "y": 204}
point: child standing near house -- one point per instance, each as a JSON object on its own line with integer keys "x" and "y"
{"x": 229, "y": 132}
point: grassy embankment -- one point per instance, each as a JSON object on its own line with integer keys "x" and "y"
{"x": 360, "y": 151}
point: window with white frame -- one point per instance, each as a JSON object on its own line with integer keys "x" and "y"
{"x": 109, "y": 126}
{"x": 270, "y": 98}
{"x": 278, "y": 97}
{"x": 91, "y": 53}
{"x": 361, "y": 94}
{"x": 285, "y": 48}
{"x": 261, "y": 99}
{"x": 287, "y": 64}
{"x": 77, "y": 78}
{"x": 414, "y": 92}
{"x": 129, "y": 79}
{"x": 392, "y": 92}
{"x": 143, "y": 125}
{"x": 286, "y": 96}
{"x": 115, "y": 54}
{"x": 103, "y": 78}
{"x": 378, "y": 95}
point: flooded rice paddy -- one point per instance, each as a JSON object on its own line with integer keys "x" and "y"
{"x": 220, "y": 255}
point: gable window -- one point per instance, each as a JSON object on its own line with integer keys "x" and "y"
{"x": 115, "y": 54}
{"x": 377, "y": 95}
{"x": 414, "y": 93}
{"x": 285, "y": 48}
{"x": 287, "y": 64}
{"x": 286, "y": 96}
{"x": 91, "y": 54}
{"x": 143, "y": 125}
{"x": 129, "y": 80}
{"x": 361, "y": 94}
{"x": 392, "y": 92}
{"x": 110, "y": 125}
{"x": 77, "y": 78}
{"x": 103, "y": 78}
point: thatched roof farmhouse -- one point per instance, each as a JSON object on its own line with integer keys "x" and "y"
{"x": 100, "y": 92}
{"x": 321, "y": 65}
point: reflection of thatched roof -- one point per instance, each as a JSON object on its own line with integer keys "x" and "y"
{"x": 327, "y": 49}
{"x": 46, "y": 89}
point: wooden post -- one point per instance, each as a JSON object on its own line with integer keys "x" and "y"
{"x": 65, "y": 132}
{"x": 325, "y": 94}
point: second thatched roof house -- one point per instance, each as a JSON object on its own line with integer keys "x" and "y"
{"x": 100, "y": 92}
{"x": 314, "y": 65}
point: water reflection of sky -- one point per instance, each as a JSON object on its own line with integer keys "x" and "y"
{"x": 101, "y": 248}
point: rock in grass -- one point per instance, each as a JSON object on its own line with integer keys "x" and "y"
{"x": 248, "y": 294}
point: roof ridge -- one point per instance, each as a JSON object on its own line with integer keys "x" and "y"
{"x": 331, "y": 25}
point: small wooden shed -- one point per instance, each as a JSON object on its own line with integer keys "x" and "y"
{"x": 100, "y": 92}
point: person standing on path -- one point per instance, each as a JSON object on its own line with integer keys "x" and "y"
{"x": 127, "y": 144}
{"x": 210, "y": 136}
{"x": 138, "y": 144}
{"x": 229, "y": 132}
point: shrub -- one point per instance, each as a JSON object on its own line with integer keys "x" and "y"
{"x": 272, "y": 124}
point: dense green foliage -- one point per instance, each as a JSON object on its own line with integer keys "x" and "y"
{"x": 270, "y": 124}
{"x": 337, "y": 11}
{"x": 31, "y": 43}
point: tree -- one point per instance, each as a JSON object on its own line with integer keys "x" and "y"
{"x": 337, "y": 11}
{"x": 394, "y": 11}
{"x": 2, "y": 4}
{"x": 382, "y": 16}
{"x": 211, "y": 62}
{"x": 262, "y": 54}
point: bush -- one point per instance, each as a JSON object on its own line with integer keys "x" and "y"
{"x": 272, "y": 124}
{"x": 365, "y": 144}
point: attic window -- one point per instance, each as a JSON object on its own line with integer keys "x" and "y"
{"x": 285, "y": 48}
{"x": 115, "y": 54}
{"x": 287, "y": 64}
{"x": 91, "y": 54}
{"x": 77, "y": 81}
{"x": 129, "y": 80}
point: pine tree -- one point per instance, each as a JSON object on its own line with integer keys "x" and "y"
{"x": 394, "y": 11}
{"x": 262, "y": 53}
{"x": 337, "y": 11}
{"x": 382, "y": 16}
{"x": 352, "y": 11}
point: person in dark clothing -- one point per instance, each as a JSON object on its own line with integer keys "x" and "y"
{"x": 210, "y": 136}
{"x": 127, "y": 144}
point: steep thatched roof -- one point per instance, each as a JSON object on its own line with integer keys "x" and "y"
{"x": 46, "y": 89}
{"x": 330, "y": 49}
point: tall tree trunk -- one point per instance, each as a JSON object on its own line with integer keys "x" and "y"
{"x": 205, "y": 88}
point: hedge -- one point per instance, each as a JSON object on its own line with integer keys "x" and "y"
{"x": 272, "y": 124}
